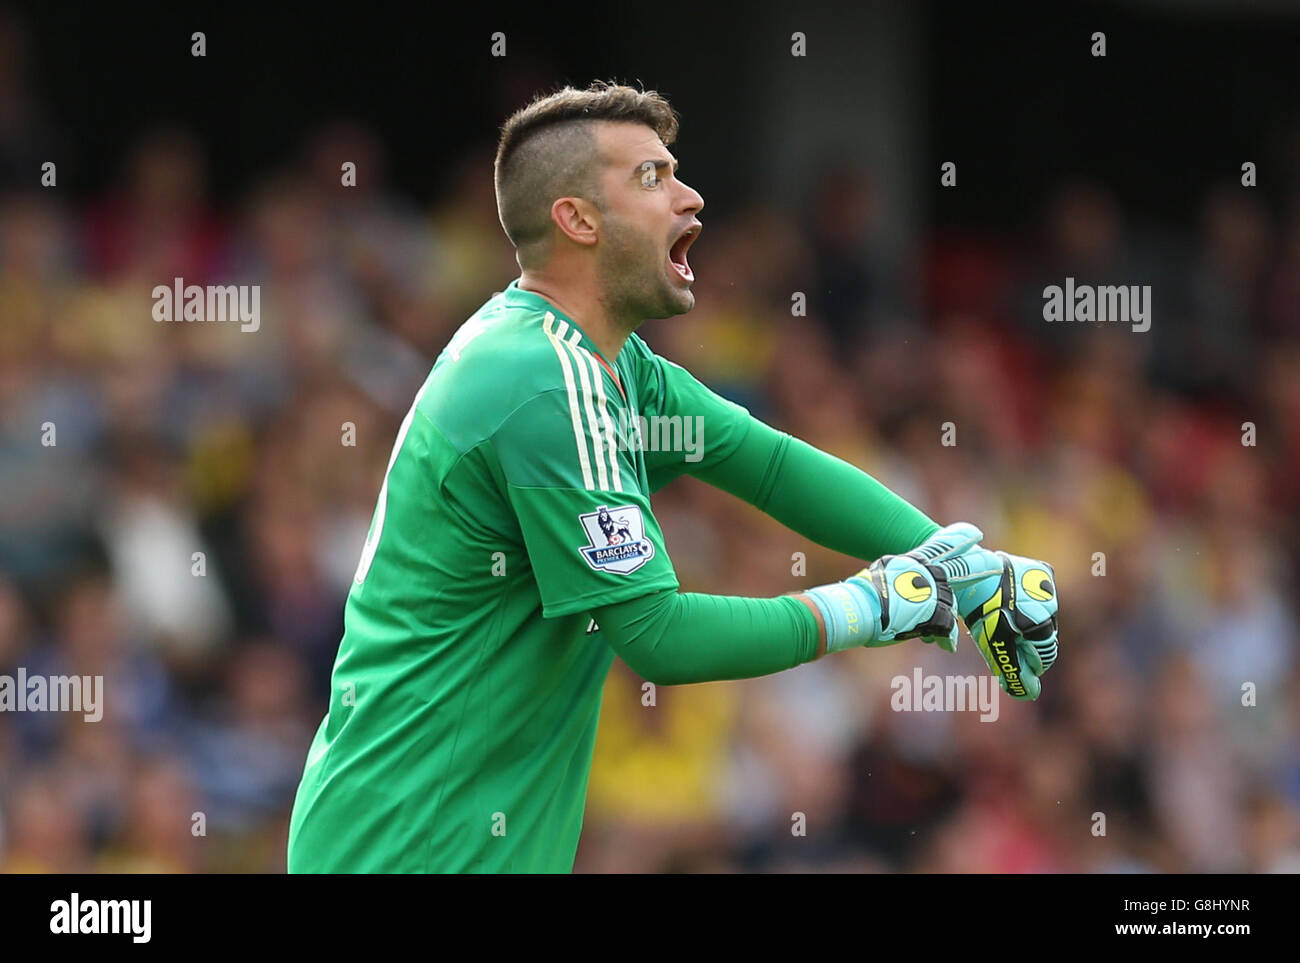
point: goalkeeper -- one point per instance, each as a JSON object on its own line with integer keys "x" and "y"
{"x": 513, "y": 552}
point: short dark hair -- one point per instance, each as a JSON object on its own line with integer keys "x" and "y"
{"x": 547, "y": 149}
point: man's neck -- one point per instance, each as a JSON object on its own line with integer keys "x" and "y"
{"x": 586, "y": 310}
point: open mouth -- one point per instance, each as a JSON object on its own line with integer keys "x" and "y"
{"x": 677, "y": 253}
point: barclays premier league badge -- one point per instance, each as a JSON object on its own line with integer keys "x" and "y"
{"x": 616, "y": 539}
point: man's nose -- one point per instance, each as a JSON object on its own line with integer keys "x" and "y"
{"x": 692, "y": 202}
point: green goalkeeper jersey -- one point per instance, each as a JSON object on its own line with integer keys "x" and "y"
{"x": 464, "y": 698}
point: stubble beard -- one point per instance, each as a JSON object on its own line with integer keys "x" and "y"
{"x": 633, "y": 280}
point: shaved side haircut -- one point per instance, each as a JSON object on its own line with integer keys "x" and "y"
{"x": 548, "y": 150}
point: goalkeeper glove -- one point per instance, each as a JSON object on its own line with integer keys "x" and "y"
{"x": 1009, "y": 604}
{"x": 897, "y": 597}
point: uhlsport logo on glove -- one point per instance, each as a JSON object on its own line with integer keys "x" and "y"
{"x": 913, "y": 587}
{"x": 995, "y": 635}
{"x": 1037, "y": 584}
{"x": 616, "y": 539}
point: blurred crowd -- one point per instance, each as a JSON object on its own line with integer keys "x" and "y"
{"x": 1159, "y": 472}
{"x": 127, "y": 446}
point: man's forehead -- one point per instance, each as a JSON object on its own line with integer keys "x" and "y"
{"x": 629, "y": 143}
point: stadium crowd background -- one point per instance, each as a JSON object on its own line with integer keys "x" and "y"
{"x": 1071, "y": 440}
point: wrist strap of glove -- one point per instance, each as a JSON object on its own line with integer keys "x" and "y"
{"x": 849, "y": 612}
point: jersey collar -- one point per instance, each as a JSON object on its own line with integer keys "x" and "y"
{"x": 515, "y": 296}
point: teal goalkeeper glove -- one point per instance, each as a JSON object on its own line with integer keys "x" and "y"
{"x": 897, "y": 597}
{"x": 1009, "y": 604}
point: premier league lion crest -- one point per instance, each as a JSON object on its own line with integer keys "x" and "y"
{"x": 616, "y": 539}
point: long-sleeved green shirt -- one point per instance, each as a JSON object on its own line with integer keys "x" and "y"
{"x": 516, "y": 506}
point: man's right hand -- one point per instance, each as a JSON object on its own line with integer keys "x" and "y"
{"x": 897, "y": 597}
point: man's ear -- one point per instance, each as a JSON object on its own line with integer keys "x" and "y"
{"x": 577, "y": 219}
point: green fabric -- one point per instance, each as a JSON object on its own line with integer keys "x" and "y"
{"x": 823, "y": 498}
{"x": 465, "y": 695}
{"x": 672, "y": 638}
